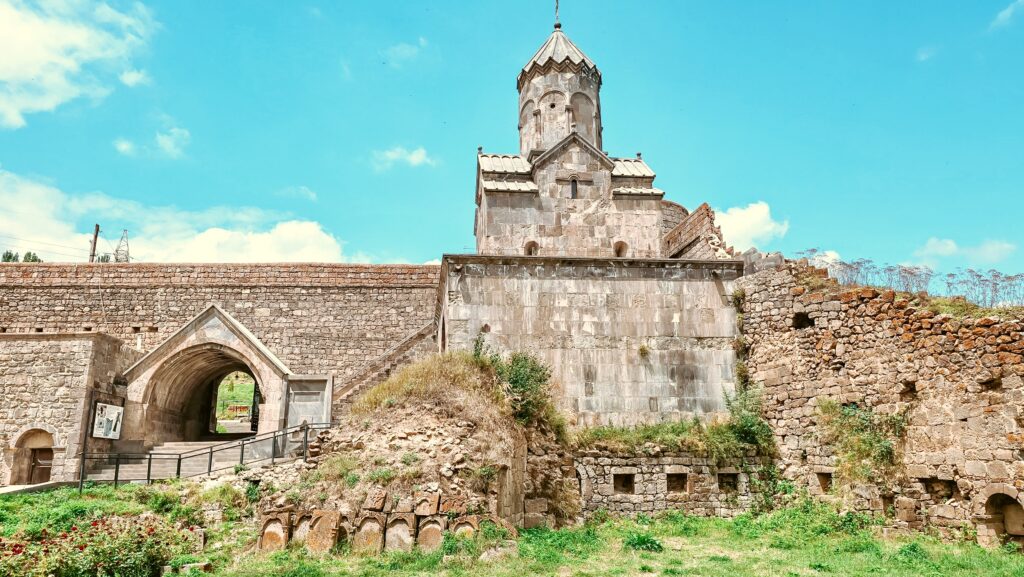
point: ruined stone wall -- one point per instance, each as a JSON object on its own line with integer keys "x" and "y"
{"x": 631, "y": 484}
{"x": 957, "y": 380}
{"x": 47, "y": 384}
{"x": 628, "y": 341}
{"x": 319, "y": 319}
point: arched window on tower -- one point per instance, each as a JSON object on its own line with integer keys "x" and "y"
{"x": 532, "y": 248}
{"x": 574, "y": 189}
{"x": 621, "y": 249}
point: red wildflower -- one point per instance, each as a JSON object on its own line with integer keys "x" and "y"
{"x": 81, "y": 547}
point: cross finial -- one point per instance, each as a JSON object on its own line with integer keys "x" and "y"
{"x": 558, "y": 25}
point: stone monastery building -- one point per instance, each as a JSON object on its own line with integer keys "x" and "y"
{"x": 634, "y": 301}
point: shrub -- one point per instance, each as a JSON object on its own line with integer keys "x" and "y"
{"x": 334, "y": 467}
{"x": 525, "y": 381}
{"x": 410, "y": 459}
{"x": 866, "y": 444}
{"x": 381, "y": 476}
{"x": 642, "y": 542}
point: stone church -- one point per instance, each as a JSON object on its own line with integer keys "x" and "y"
{"x": 634, "y": 301}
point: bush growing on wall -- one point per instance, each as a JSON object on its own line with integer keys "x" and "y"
{"x": 866, "y": 444}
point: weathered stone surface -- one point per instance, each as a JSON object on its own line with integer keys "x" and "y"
{"x": 401, "y": 532}
{"x": 323, "y": 532}
{"x": 430, "y": 534}
{"x": 300, "y": 525}
{"x": 465, "y": 526}
{"x": 369, "y": 533}
{"x": 274, "y": 531}
{"x": 376, "y": 499}
{"x": 427, "y": 503}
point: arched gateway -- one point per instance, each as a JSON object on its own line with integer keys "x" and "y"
{"x": 172, "y": 390}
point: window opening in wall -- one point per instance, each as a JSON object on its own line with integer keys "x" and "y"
{"x": 3, "y": 329}
{"x": 824, "y": 481}
{"x": 532, "y": 248}
{"x": 728, "y": 482}
{"x": 87, "y": 329}
{"x": 151, "y": 329}
{"x": 136, "y": 329}
{"x": 941, "y": 489}
{"x": 678, "y": 483}
{"x": 624, "y": 483}
{"x": 621, "y": 249}
{"x": 574, "y": 189}
{"x": 802, "y": 321}
{"x": 38, "y": 329}
{"x": 908, "y": 392}
{"x": 889, "y": 505}
{"x": 992, "y": 384}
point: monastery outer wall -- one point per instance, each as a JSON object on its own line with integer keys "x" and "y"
{"x": 628, "y": 341}
{"x": 959, "y": 381}
{"x": 317, "y": 318}
{"x": 48, "y": 384}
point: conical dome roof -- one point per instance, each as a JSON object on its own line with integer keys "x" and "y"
{"x": 558, "y": 50}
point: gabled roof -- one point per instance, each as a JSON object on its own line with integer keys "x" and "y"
{"x": 632, "y": 167}
{"x": 210, "y": 314}
{"x": 504, "y": 163}
{"x": 510, "y": 186}
{"x": 557, "y": 50}
{"x": 573, "y": 137}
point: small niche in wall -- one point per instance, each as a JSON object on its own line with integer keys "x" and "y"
{"x": 678, "y": 483}
{"x": 136, "y": 329}
{"x": 151, "y": 329}
{"x": 87, "y": 329}
{"x": 624, "y": 483}
{"x": 909, "y": 391}
{"x": 37, "y": 330}
{"x": 941, "y": 489}
{"x": 889, "y": 505}
{"x": 992, "y": 384}
{"x": 824, "y": 481}
{"x": 728, "y": 482}
{"x": 802, "y": 321}
{"x": 3, "y": 329}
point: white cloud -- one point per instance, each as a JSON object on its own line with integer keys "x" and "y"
{"x": 402, "y": 53}
{"x": 133, "y": 78}
{"x": 750, "y": 226}
{"x": 926, "y": 53}
{"x": 302, "y": 192}
{"x": 55, "y": 52}
{"x": 125, "y": 146}
{"x": 172, "y": 143}
{"x": 1006, "y": 15}
{"x": 385, "y": 159}
{"x": 46, "y": 220}
{"x": 986, "y": 253}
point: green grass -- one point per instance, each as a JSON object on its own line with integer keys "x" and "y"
{"x": 805, "y": 539}
{"x": 236, "y": 389}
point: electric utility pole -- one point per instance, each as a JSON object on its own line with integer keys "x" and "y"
{"x": 92, "y": 246}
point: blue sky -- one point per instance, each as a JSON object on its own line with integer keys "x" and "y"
{"x": 348, "y": 130}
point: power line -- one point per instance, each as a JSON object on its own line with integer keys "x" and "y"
{"x": 42, "y": 242}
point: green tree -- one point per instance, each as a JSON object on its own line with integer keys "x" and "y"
{"x": 103, "y": 258}
{"x": 30, "y": 257}
{"x": 9, "y": 256}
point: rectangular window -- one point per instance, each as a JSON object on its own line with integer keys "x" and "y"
{"x": 824, "y": 481}
{"x": 624, "y": 484}
{"x": 728, "y": 482}
{"x": 678, "y": 483}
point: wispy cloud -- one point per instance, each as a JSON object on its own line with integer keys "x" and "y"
{"x": 173, "y": 141}
{"x": 56, "y": 52}
{"x": 302, "y": 192}
{"x": 346, "y": 70}
{"x": 1007, "y": 14}
{"x": 402, "y": 53}
{"x": 926, "y": 53}
{"x": 384, "y": 160}
{"x": 986, "y": 253}
{"x": 750, "y": 226}
{"x": 125, "y": 146}
{"x": 132, "y": 78}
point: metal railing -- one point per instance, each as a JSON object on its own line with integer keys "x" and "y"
{"x": 284, "y": 444}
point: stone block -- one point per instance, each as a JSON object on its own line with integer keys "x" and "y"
{"x": 534, "y": 506}
{"x": 427, "y": 503}
{"x": 465, "y": 526}
{"x": 368, "y": 535}
{"x": 274, "y": 531}
{"x": 300, "y": 525}
{"x": 376, "y": 499}
{"x": 453, "y": 505}
{"x": 430, "y": 533}
{"x": 324, "y": 531}
{"x": 401, "y": 532}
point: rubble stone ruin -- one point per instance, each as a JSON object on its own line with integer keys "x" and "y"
{"x": 637, "y": 304}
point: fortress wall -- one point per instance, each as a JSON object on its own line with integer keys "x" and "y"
{"x": 48, "y": 383}
{"x": 959, "y": 381}
{"x": 628, "y": 341}
{"x": 318, "y": 318}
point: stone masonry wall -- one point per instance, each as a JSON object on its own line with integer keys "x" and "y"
{"x": 317, "y": 318}
{"x": 632, "y": 484}
{"x": 958, "y": 381}
{"x": 46, "y": 381}
{"x": 628, "y": 341}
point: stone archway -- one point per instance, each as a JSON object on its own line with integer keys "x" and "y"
{"x": 1003, "y": 520}
{"x": 33, "y": 458}
{"x": 170, "y": 389}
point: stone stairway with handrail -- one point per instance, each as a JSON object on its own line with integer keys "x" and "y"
{"x": 380, "y": 368}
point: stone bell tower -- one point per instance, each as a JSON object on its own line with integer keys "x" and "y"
{"x": 559, "y": 93}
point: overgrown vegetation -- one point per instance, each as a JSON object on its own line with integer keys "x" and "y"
{"x": 518, "y": 384}
{"x": 745, "y": 431}
{"x": 866, "y": 444}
